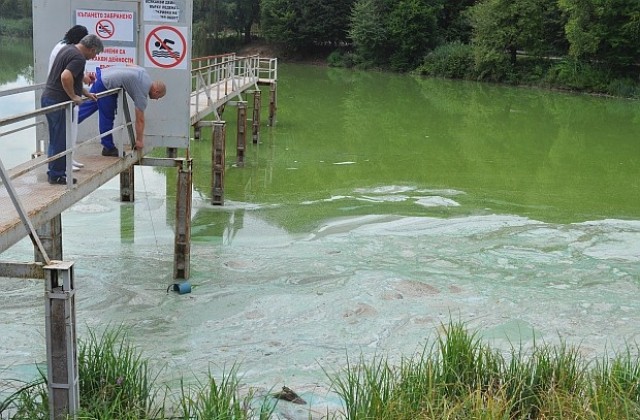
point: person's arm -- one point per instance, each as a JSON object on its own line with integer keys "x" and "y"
{"x": 67, "y": 84}
{"x": 139, "y": 129}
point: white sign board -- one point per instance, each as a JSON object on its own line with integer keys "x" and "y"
{"x": 155, "y": 34}
{"x": 109, "y": 25}
{"x": 161, "y": 11}
{"x": 113, "y": 56}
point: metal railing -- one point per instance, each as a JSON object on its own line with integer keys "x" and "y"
{"x": 215, "y": 78}
{"x": 34, "y": 164}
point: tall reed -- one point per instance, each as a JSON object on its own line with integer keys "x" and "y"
{"x": 460, "y": 378}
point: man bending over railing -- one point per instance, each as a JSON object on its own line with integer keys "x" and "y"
{"x": 136, "y": 81}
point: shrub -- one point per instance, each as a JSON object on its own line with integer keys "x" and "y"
{"x": 579, "y": 75}
{"x": 453, "y": 60}
{"x": 16, "y": 28}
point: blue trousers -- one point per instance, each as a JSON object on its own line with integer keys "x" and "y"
{"x": 106, "y": 107}
{"x": 57, "y": 138}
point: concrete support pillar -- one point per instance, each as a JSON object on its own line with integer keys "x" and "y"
{"x": 242, "y": 132}
{"x": 197, "y": 132}
{"x": 255, "y": 121}
{"x": 127, "y": 183}
{"x": 273, "y": 103}
{"x": 62, "y": 354}
{"x": 182, "y": 244}
{"x": 172, "y": 152}
{"x": 219, "y": 136}
{"x": 50, "y": 235}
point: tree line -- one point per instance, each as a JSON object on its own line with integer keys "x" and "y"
{"x": 578, "y": 44}
{"x": 589, "y": 45}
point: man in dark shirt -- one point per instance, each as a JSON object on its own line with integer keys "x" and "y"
{"x": 64, "y": 84}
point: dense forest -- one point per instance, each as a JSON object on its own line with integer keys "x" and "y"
{"x": 586, "y": 45}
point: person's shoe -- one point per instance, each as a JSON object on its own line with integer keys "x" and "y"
{"x": 77, "y": 164}
{"x": 110, "y": 152}
{"x": 60, "y": 180}
{"x": 75, "y": 168}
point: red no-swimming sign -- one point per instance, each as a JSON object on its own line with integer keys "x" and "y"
{"x": 166, "y": 47}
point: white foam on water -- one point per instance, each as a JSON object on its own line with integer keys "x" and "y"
{"x": 288, "y": 307}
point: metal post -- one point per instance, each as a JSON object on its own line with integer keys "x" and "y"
{"x": 127, "y": 185}
{"x": 62, "y": 355}
{"x": 197, "y": 132}
{"x": 50, "y": 234}
{"x": 255, "y": 122}
{"x": 182, "y": 248}
{"x": 172, "y": 152}
{"x": 273, "y": 103}
{"x": 242, "y": 132}
{"x": 35, "y": 239}
{"x": 217, "y": 162}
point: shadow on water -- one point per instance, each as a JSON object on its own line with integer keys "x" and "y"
{"x": 378, "y": 207}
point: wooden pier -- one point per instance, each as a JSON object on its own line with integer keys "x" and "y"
{"x": 218, "y": 81}
{"x": 30, "y": 206}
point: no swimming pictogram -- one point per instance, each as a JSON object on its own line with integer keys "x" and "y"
{"x": 105, "y": 28}
{"x": 166, "y": 47}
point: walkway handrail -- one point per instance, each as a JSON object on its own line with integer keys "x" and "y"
{"x": 6, "y": 179}
{"x": 217, "y": 77}
{"x": 43, "y": 111}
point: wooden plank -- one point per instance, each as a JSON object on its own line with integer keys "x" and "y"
{"x": 43, "y": 201}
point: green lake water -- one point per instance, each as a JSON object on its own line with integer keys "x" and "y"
{"x": 377, "y": 208}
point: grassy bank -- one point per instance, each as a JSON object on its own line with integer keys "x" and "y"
{"x": 456, "y": 377}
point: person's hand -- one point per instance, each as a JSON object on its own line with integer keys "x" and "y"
{"x": 89, "y": 78}
{"x": 77, "y": 99}
{"x": 92, "y": 96}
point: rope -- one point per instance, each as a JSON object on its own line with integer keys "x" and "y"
{"x": 153, "y": 227}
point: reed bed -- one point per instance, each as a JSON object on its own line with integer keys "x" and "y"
{"x": 459, "y": 377}
{"x": 455, "y": 377}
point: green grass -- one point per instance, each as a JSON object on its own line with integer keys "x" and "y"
{"x": 461, "y": 378}
{"x": 455, "y": 377}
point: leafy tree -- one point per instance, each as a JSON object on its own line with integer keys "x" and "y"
{"x": 243, "y": 14}
{"x": 303, "y": 24}
{"x": 368, "y": 31}
{"x": 606, "y": 30}
{"x": 394, "y": 33}
{"x": 513, "y": 25}
{"x": 413, "y": 29}
{"x": 280, "y": 22}
{"x": 503, "y": 28}
{"x": 454, "y": 22}
{"x": 326, "y": 21}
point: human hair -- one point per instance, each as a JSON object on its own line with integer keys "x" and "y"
{"x": 75, "y": 34}
{"x": 160, "y": 88}
{"x": 92, "y": 42}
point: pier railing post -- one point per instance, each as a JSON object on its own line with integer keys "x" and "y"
{"x": 127, "y": 185}
{"x": 50, "y": 234}
{"x": 273, "y": 103}
{"x": 242, "y": 132}
{"x": 219, "y": 136}
{"x": 62, "y": 354}
{"x": 255, "y": 122}
{"x": 182, "y": 245}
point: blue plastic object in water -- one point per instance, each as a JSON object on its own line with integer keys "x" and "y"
{"x": 182, "y": 287}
